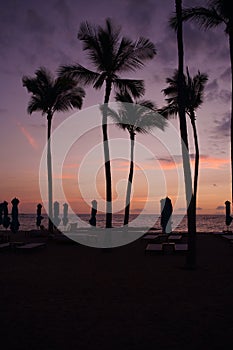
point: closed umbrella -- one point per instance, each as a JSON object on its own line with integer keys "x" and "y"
{"x": 6, "y": 220}
{"x": 39, "y": 217}
{"x": 56, "y": 219}
{"x": 15, "y": 222}
{"x": 65, "y": 214}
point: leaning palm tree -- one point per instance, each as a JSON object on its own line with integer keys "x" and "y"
{"x": 50, "y": 95}
{"x": 111, "y": 54}
{"x": 135, "y": 116}
{"x": 218, "y": 12}
{"x": 191, "y": 256}
{"x": 193, "y": 97}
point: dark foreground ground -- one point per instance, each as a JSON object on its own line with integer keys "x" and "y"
{"x": 68, "y": 296}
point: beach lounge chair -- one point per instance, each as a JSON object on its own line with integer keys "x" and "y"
{"x": 4, "y": 246}
{"x": 229, "y": 237}
{"x": 181, "y": 247}
{"x": 30, "y": 246}
{"x": 174, "y": 238}
{"x": 150, "y": 237}
{"x": 153, "y": 247}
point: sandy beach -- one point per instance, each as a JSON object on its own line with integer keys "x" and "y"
{"x": 71, "y": 296}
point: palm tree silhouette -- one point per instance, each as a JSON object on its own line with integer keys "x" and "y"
{"x": 191, "y": 256}
{"x": 50, "y": 95}
{"x": 135, "y": 116}
{"x": 217, "y": 13}
{"x": 111, "y": 54}
{"x": 193, "y": 96}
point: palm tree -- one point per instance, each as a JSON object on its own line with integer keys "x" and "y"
{"x": 111, "y": 54}
{"x": 193, "y": 93}
{"x": 191, "y": 256}
{"x": 217, "y": 12}
{"x": 50, "y": 95}
{"x": 135, "y": 116}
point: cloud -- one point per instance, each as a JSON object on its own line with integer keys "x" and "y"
{"x": 223, "y": 126}
{"x": 220, "y": 207}
{"x": 28, "y": 136}
{"x": 215, "y": 92}
{"x": 198, "y": 208}
{"x": 35, "y": 23}
{"x": 206, "y": 162}
{"x": 226, "y": 75}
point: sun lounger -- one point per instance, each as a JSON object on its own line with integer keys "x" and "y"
{"x": 30, "y": 246}
{"x": 174, "y": 238}
{"x": 230, "y": 237}
{"x": 4, "y": 246}
{"x": 166, "y": 248}
{"x": 181, "y": 247}
{"x": 150, "y": 237}
{"x": 153, "y": 247}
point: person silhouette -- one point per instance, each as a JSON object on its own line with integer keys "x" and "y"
{"x": 92, "y": 220}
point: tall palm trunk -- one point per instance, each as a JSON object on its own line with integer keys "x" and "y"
{"x": 130, "y": 179}
{"x": 108, "y": 177}
{"x": 231, "y": 57}
{"x": 196, "y": 167}
{"x": 49, "y": 170}
{"x": 191, "y": 256}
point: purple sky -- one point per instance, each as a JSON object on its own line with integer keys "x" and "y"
{"x": 44, "y": 33}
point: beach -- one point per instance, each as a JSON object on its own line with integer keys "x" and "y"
{"x": 67, "y": 295}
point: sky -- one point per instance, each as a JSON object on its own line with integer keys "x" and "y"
{"x": 44, "y": 33}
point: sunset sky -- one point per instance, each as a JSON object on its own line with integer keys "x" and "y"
{"x": 44, "y": 33}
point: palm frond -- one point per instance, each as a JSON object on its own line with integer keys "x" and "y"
{"x": 144, "y": 49}
{"x": 136, "y": 116}
{"x": 131, "y": 87}
{"x": 83, "y": 75}
{"x": 99, "y": 82}
{"x": 50, "y": 95}
{"x": 169, "y": 111}
{"x": 204, "y": 17}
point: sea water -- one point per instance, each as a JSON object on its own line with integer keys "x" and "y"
{"x": 205, "y": 223}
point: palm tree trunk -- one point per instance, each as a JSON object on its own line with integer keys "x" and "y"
{"x": 49, "y": 169}
{"x": 231, "y": 57}
{"x": 191, "y": 256}
{"x": 196, "y": 167}
{"x": 130, "y": 180}
{"x": 107, "y": 157}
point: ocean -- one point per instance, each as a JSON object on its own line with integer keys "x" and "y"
{"x": 205, "y": 223}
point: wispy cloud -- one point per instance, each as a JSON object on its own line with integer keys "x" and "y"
{"x": 206, "y": 162}
{"x": 28, "y": 136}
